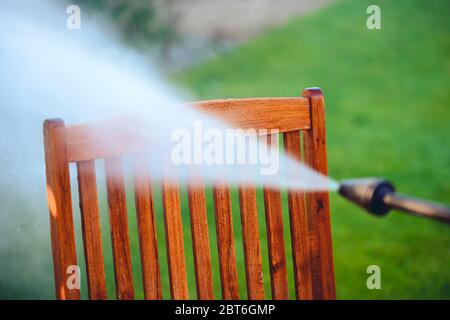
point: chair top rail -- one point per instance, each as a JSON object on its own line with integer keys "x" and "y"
{"x": 102, "y": 139}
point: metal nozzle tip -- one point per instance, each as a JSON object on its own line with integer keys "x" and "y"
{"x": 368, "y": 193}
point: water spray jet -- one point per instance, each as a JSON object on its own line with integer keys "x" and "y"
{"x": 378, "y": 197}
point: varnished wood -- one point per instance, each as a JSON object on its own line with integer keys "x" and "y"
{"x": 252, "y": 247}
{"x": 118, "y": 220}
{"x": 225, "y": 242}
{"x": 60, "y": 207}
{"x": 275, "y": 239}
{"x": 105, "y": 139}
{"x": 92, "y": 237}
{"x": 200, "y": 241}
{"x": 318, "y": 202}
{"x": 299, "y": 227}
{"x": 284, "y": 114}
{"x": 116, "y": 137}
{"x": 276, "y": 246}
{"x": 148, "y": 245}
{"x": 174, "y": 241}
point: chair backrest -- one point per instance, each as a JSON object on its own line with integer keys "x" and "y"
{"x": 309, "y": 216}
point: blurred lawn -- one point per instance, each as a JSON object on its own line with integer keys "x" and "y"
{"x": 387, "y": 101}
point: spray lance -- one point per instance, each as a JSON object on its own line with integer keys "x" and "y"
{"x": 378, "y": 197}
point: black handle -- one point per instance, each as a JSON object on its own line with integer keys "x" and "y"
{"x": 418, "y": 207}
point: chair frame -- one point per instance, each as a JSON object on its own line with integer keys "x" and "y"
{"x": 309, "y": 214}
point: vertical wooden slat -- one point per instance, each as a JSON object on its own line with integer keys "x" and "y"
{"x": 275, "y": 241}
{"x": 252, "y": 247}
{"x": 225, "y": 243}
{"x": 200, "y": 241}
{"x": 148, "y": 245}
{"x": 118, "y": 220}
{"x": 275, "y": 238}
{"x": 175, "y": 243}
{"x": 318, "y": 202}
{"x": 92, "y": 238}
{"x": 299, "y": 227}
{"x": 60, "y": 207}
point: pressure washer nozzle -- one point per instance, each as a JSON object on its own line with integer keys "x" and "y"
{"x": 368, "y": 193}
{"x": 378, "y": 196}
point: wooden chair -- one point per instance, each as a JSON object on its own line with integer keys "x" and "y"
{"x": 309, "y": 213}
